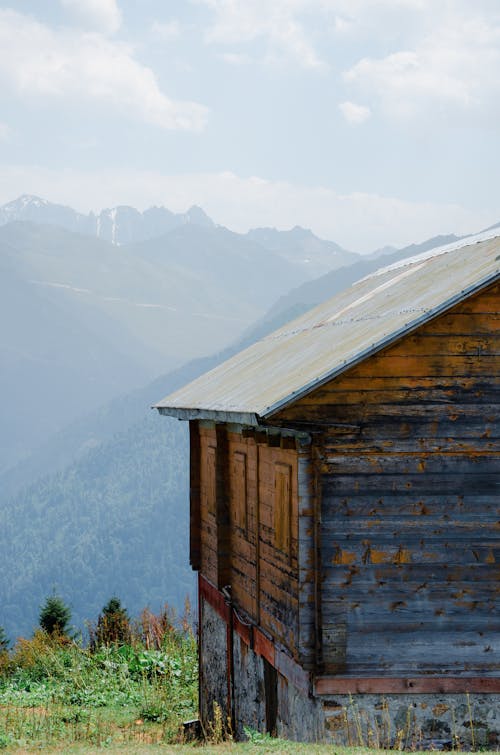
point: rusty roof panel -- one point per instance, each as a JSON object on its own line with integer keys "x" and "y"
{"x": 338, "y": 333}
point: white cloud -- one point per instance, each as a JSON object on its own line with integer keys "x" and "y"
{"x": 358, "y": 221}
{"x": 99, "y": 15}
{"x": 166, "y": 30}
{"x": 36, "y": 60}
{"x": 245, "y": 21}
{"x": 451, "y": 69}
{"x": 355, "y": 114}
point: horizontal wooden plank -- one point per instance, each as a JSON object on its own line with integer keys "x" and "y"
{"x": 400, "y": 393}
{"x": 429, "y": 344}
{"x": 485, "y": 301}
{"x": 478, "y": 441}
{"x": 454, "y": 506}
{"x": 339, "y": 685}
{"x": 414, "y": 412}
{"x": 436, "y": 607}
{"x": 412, "y": 464}
{"x": 427, "y": 647}
{"x": 413, "y": 365}
{"x": 483, "y": 528}
{"x": 460, "y": 553}
{"x": 426, "y": 419}
{"x": 412, "y": 578}
{"x": 460, "y": 385}
{"x": 417, "y": 486}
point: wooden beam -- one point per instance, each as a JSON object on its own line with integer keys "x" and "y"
{"x": 211, "y": 595}
{"x": 336, "y": 685}
{"x": 194, "y": 496}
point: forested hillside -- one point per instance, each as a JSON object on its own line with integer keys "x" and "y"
{"x": 114, "y": 523}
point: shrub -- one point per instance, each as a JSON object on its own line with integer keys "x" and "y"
{"x": 55, "y": 616}
{"x": 4, "y": 641}
{"x": 113, "y": 625}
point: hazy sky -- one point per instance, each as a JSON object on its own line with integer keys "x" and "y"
{"x": 370, "y": 121}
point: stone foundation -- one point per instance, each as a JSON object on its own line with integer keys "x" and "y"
{"x": 263, "y": 699}
{"x": 437, "y": 721}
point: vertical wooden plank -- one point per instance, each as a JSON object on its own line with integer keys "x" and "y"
{"x": 282, "y": 506}
{"x": 194, "y": 496}
{"x": 257, "y": 532}
{"x": 222, "y": 496}
{"x": 239, "y": 490}
{"x": 211, "y": 480}
{"x": 307, "y": 556}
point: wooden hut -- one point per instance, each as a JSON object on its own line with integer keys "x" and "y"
{"x": 345, "y": 512}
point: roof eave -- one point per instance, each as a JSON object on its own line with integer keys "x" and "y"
{"x": 239, "y": 418}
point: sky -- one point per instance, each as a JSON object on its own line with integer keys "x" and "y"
{"x": 372, "y": 122}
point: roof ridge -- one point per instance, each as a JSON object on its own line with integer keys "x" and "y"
{"x": 470, "y": 240}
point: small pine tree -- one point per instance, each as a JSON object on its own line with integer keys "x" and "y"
{"x": 4, "y": 641}
{"x": 55, "y": 616}
{"x": 113, "y": 624}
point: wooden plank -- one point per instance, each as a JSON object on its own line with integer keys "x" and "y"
{"x": 412, "y": 685}
{"x": 336, "y": 553}
{"x": 342, "y": 486}
{"x": 238, "y": 489}
{"x": 394, "y": 504}
{"x": 282, "y": 514}
{"x": 387, "y": 529}
{"x": 209, "y": 592}
{"x": 484, "y": 441}
{"x": 430, "y": 345}
{"x": 307, "y": 560}
{"x": 222, "y": 502}
{"x": 394, "y": 464}
{"x": 465, "y": 387}
{"x": 194, "y": 496}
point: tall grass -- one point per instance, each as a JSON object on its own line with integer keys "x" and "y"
{"x": 54, "y": 691}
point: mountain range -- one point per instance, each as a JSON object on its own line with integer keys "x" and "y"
{"x": 125, "y": 225}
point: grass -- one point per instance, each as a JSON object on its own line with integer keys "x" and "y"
{"x": 59, "y": 697}
{"x": 56, "y": 694}
{"x": 275, "y": 746}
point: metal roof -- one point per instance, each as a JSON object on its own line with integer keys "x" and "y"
{"x": 339, "y": 333}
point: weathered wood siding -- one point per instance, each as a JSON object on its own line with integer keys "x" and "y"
{"x": 410, "y": 534}
{"x": 208, "y": 519}
{"x": 254, "y": 550}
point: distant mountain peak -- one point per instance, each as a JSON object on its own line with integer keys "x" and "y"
{"x": 32, "y": 199}
{"x": 198, "y": 216}
{"x": 23, "y": 202}
{"x": 119, "y": 225}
